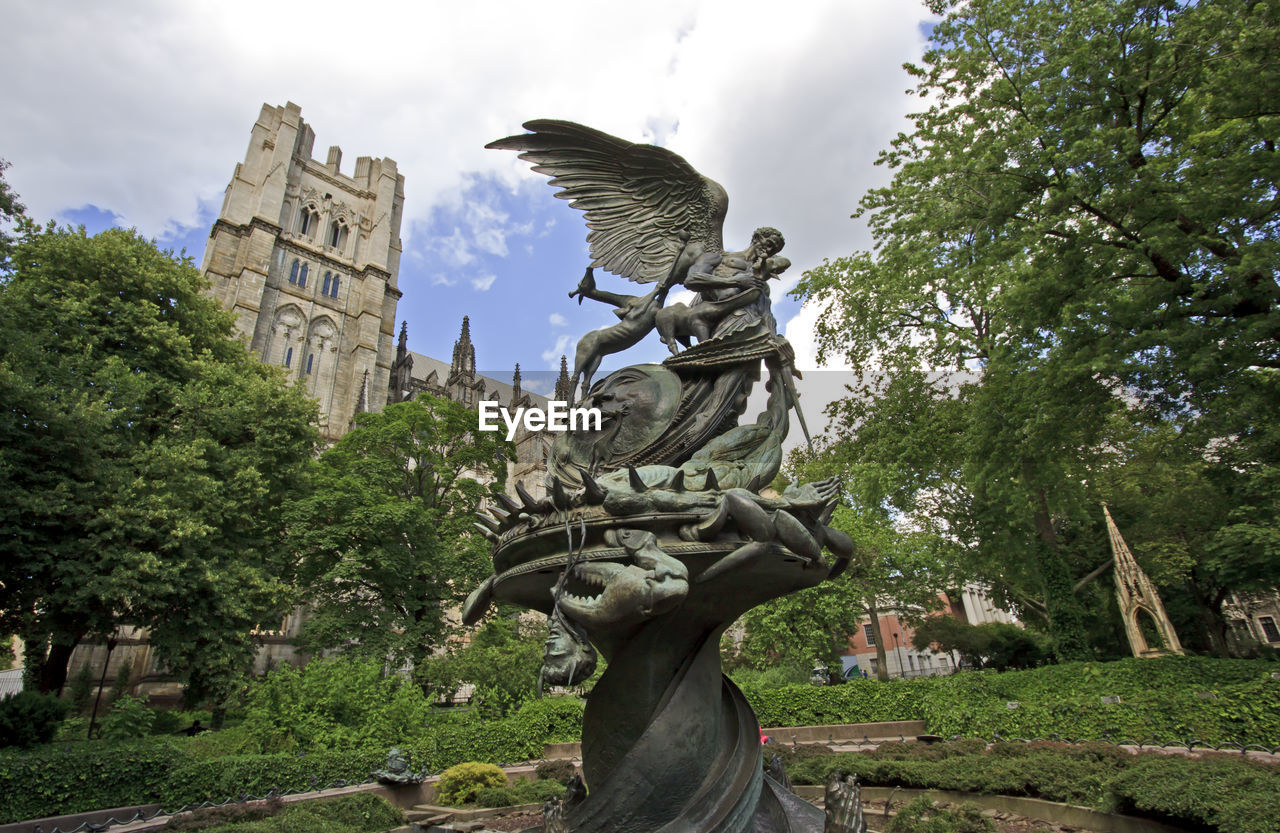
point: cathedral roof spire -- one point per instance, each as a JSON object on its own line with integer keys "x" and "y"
{"x": 515, "y": 384}
{"x": 564, "y": 385}
{"x": 464, "y": 352}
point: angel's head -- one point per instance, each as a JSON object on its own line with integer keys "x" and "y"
{"x": 767, "y": 241}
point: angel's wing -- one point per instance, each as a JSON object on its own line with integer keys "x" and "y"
{"x": 637, "y": 198}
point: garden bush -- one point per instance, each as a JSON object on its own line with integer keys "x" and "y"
{"x": 29, "y": 718}
{"x": 461, "y": 783}
{"x": 1171, "y": 699}
{"x": 560, "y": 771}
{"x": 128, "y": 718}
{"x": 1221, "y": 792}
{"x": 922, "y": 816}
{"x": 1217, "y": 792}
{"x": 361, "y": 813}
{"x": 520, "y": 792}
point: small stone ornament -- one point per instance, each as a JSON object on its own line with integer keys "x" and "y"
{"x": 397, "y": 770}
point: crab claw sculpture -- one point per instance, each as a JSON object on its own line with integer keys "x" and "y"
{"x": 655, "y": 534}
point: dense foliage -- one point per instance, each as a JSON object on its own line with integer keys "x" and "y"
{"x": 461, "y": 783}
{"x": 29, "y": 718}
{"x": 989, "y": 645}
{"x": 385, "y": 537}
{"x": 920, "y": 815}
{"x": 1218, "y": 792}
{"x": 1073, "y": 299}
{"x": 69, "y": 778}
{"x": 520, "y": 792}
{"x": 145, "y": 457}
{"x": 361, "y": 813}
{"x": 502, "y": 661}
{"x": 892, "y": 572}
{"x": 1175, "y": 700}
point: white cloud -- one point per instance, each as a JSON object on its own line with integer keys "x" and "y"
{"x": 563, "y": 347}
{"x": 483, "y": 283}
{"x": 557, "y": 320}
{"x": 144, "y": 108}
{"x": 440, "y": 279}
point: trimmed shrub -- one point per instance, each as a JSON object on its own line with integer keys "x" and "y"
{"x": 559, "y": 771}
{"x": 922, "y": 816}
{"x": 1221, "y": 792}
{"x": 521, "y": 792}
{"x": 460, "y": 784}
{"x": 1224, "y": 793}
{"x": 1160, "y": 699}
{"x": 361, "y": 813}
{"x": 71, "y": 778}
{"x": 29, "y": 718}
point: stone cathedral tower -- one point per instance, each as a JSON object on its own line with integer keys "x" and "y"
{"x": 307, "y": 257}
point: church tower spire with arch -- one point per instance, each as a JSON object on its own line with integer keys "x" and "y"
{"x": 308, "y": 257}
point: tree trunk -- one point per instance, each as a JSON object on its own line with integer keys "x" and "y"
{"x": 882, "y": 659}
{"x": 1215, "y": 624}
{"x": 1066, "y": 619}
{"x": 53, "y": 669}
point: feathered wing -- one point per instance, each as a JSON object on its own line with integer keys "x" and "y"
{"x": 637, "y": 198}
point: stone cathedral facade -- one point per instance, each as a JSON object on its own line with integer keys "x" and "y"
{"x": 307, "y": 256}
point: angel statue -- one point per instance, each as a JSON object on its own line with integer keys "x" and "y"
{"x": 652, "y": 219}
{"x": 656, "y": 530}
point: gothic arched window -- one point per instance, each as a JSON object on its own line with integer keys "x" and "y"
{"x": 288, "y": 357}
{"x": 328, "y": 279}
{"x": 309, "y": 358}
{"x": 338, "y": 234}
{"x": 310, "y": 219}
{"x": 302, "y": 276}
{"x": 293, "y": 272}
{"x": 333, "y": 290}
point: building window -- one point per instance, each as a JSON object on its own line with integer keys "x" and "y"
{"x": 302, "y": 276}
{"x": 310, "y": 218}
{"x": 337, "y": 234}
{"x": 333, "y": 290}
{"x": 288, "y": 357}
{"x": 309, "y": 358}
{"x": 870, "y": 634}
{"x": 293, "y": 272}
{"x": 328, "y": 279}
{"x": 1269, "y": 628}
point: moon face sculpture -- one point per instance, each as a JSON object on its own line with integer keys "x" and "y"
{"x": 655, "y": 535}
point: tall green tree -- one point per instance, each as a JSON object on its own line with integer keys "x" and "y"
{"x": 13, "y": 215}
{"x": 1080, "y": 232}
{"x": 145, "y": 457}
{"x": 893, "y": 571}
{"x": 385, "y": 539}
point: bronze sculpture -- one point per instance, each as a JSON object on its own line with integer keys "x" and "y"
{"x": 655, "y": 534}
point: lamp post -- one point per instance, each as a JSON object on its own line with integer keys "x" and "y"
{"x": 898, "y": 649}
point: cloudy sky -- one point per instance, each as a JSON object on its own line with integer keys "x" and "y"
{"x": 135, "y": 113}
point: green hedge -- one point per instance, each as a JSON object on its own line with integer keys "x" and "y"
{"x": 59, "y": 779}
{"x": 1217, "y": 792}
{"x": 361, "y": 813}
{"x": 1172, "y": 699}
{"x": 857, "y": 701}
{"x": 520, "y": 736}
{"x": 72, "y": 778}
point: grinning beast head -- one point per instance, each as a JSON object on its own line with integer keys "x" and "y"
{"x": 624, "y": 594}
